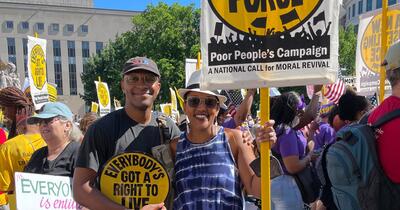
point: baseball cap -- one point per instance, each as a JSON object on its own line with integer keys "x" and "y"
{"x": 194, "y": 86}
{"x": 140, "y": 63}
{"x": 52, "y": 109}
{"x": 392, "y": 58}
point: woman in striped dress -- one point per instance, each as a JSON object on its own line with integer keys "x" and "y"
{"x": 212, "y": 163}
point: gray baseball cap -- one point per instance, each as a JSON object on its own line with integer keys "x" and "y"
{"x": 140, "y": 63}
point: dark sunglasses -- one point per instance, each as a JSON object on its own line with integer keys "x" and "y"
{"x": 48, "y": 120}
{"x": 147, "y": 79}
{"x": 210, "y": 103}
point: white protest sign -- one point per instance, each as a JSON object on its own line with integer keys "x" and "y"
{"x": 190, "y": 67}
{"x": 37, "y": 71}
{"x": 254, "y": 43}
{"x": 104, "y": 97}
{"x": 368, "y": 53}
{"x": 37, "y": 191}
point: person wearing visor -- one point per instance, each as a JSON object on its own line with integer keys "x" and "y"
{"x": 212, "y": 162}
{"x": 59, "y": 156}
{"x": 133, "y": 128}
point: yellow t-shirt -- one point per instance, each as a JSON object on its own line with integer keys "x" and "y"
{"x": 14, "y": 155}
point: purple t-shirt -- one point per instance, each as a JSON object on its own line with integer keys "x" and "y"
{"x": 290, "y": 143}
{"x": 326, "y": 135}
{"x": 229, "y": 123}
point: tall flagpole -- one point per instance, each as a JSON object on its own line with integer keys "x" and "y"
{"x": 383, "y": 50}
{"x": 265, "y": 153}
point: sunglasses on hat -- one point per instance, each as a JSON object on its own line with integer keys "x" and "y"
{"x": 194, "y": 101}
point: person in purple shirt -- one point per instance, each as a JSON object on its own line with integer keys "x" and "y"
{"x": 321, "y": 132}
{"x": 291, "y": 147}
{"x": 240, "y": 114}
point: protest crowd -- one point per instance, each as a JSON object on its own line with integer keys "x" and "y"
{"x": 326, "y": 153}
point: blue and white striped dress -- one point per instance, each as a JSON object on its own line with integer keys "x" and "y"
{"x": 206, "y": 175}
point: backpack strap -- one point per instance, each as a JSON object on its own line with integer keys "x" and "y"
{"x": 386, "y": 118}
{"x": 323, "y": 164}
{"x": 163, "y": 129}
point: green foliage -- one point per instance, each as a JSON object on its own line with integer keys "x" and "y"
{"x": 166, "y": 34}
{"x": 347, "y": 49}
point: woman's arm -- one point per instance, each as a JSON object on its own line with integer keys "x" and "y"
{"x": 244, "y": 155}
{"x": 294, "y": 165}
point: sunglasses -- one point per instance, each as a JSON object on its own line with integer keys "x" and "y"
{"x": 48, "y": 121}
{"x": 148, "y": 79}
{"x": 210, "y": 103}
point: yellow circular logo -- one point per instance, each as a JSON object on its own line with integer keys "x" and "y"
{"x": 134, "y": 180}
{"x": 102, "y": 93}
{"x": 264, "y": 17}
{"x": 38, "y": 66}
{"x": 371, "y": 40}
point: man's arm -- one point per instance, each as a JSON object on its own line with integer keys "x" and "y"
{"x": 244, "y": 108}
{"x": 88, "y": 196}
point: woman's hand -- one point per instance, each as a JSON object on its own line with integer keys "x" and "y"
{"x": 266, "y": 133}
{"x": 158, "y": 206}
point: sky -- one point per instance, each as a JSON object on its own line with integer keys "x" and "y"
{"x": 138, "y": 5}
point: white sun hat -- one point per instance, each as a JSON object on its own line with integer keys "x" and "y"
{"x": 194, "y": 86}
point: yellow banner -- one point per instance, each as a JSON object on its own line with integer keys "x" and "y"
{"x": 179, "y": 98}
{"x": 166, "y": 109}
{"x": 174, "y": 104}
{"x": 95, "y": 107}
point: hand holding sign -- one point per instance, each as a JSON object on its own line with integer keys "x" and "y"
{"x": 154, "y": 207}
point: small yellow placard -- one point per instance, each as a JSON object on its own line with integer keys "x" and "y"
{"x": 102, "y": 93}
{"x": 134, "y": 180}
{"x": 38, "y": 66}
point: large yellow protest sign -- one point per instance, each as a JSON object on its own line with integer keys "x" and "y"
{"x": 264, "y": 15}
{"x": 134, "y": 180}
{"x": 38, "y": 66}
{"x": 371, "y": 39}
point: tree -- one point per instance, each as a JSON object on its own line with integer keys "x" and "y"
{"x": 347, "y": 49}
{"x": 166, "y": 34}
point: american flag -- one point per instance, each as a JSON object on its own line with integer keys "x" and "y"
{"x": 334, "y": 91}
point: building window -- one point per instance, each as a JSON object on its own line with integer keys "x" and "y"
{"x": 40, "y": 26}
{"x": 70, "y": 28}
{"x": 99, "y": 47}
{"x": 84, "y": 28}
{"x": 353, "y": 8}
{"x": 55, "y": 27}
{"x": 71, "y": 48}
{"x": 379, "y": 4}
{"x": 56, "y": 48}
{"x": 72, "y": 79}
{"x": 11, "y": 50}
{"x": 58, "y": 75}
{"x": 72, "y": 68}
{"x": 85, "y": 49}
{"x": 9, "y": 24}
{"x": 25, "y": 25}
{"x": 349, "y": 13}
{"x": 25, "y": 50}
{"x": 369, "y": 5}
{"x": 391, "y": 2}
{"x": 360, "y": 7}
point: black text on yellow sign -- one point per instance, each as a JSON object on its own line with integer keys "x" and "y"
{"x": 258, "y": 17}
{"x": 38, "y": 66}
{"x": 371, "y": 40}
{"x": 134, "y": 180}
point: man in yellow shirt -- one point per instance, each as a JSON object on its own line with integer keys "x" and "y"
{"x": 16, "y": 152}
